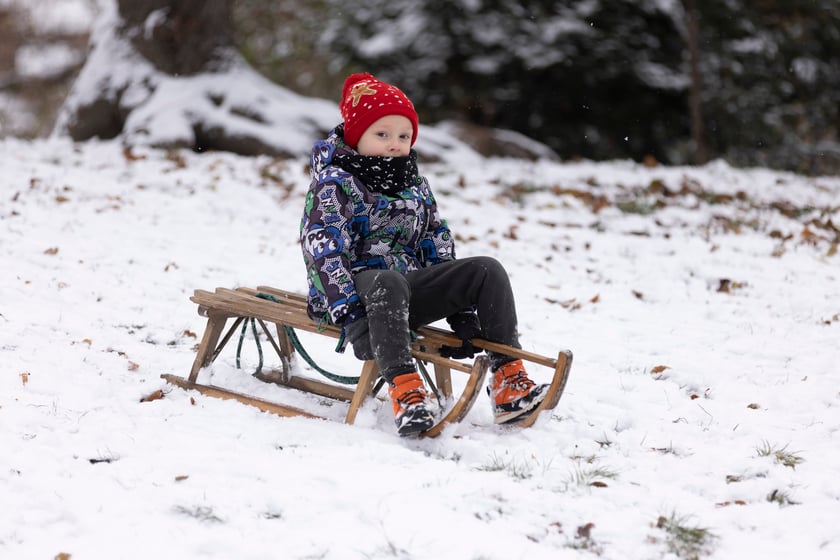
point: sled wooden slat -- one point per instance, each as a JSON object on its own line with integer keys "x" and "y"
{"x": 228, "y": 308}
{"x": 555, "y": 389}
{"x": 439, "y": 360}
{"x": 365, "y": 386}
{"x": 466, "y": 400}
{"x": 213, "y": 391}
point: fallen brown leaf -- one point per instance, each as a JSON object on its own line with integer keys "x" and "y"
{"x": 175, "y": 157}
{"x": 154, "y": 396}
{"x": 599, "y": 203}
{"x": 570, "y": 304}
{"x": 129, "y": 156}
{"x": 585, "y": 531}
{"x": 726, "y": 286}
{"x": 809, "y": 236}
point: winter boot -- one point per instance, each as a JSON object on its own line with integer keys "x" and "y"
{"x": 514, "y": 396}
{"x": 411, "y": 404}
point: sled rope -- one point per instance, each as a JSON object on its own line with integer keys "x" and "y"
{"x": 242, "y": 338}
{"x": 422, "y": 369}
{"x": 293, "y": 338}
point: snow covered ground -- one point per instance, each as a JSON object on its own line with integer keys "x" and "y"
{"x": 700, "y": 420}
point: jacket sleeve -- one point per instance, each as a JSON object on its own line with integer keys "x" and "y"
{"x": 326, "y": 243}
{"x": 437, "y": 244}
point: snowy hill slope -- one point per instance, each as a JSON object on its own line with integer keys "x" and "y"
{"x": 701, "y": 417}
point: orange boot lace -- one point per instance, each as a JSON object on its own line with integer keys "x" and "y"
{"x": 407, "y": 390}
{"x": 510, "y": 383}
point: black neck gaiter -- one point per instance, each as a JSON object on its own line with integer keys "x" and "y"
{"x": 386, "y": 175}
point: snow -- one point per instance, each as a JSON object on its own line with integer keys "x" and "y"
{"x": 660, "y": 76}
{"x": 16, "y": 118}
{"x": 101, "y": 249}
{"x": 166, "y": 110}
{"x": 169, "y": 114}
{"x": 702, "y": 305}
{"x": 58, "y": 16}
{"x": 44, "y": 61}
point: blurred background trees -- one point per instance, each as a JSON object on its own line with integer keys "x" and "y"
{"x": 193, "y": 37}
{"x": 676, "y": 81}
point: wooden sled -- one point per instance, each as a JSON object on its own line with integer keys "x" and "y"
{"x": 287, "y": 310}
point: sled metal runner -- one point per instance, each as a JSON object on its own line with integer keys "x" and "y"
{"x": 288, "y": 309}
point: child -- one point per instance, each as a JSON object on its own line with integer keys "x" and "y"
{"x": 380, "y": 260}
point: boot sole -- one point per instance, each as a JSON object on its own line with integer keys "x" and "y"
{"x": 415, "y": 428}
{"x": 514, "y": 416}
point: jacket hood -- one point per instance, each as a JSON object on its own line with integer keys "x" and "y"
{"x": 323, "y": 152}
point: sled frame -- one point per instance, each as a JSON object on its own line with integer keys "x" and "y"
{"x": 288, "y": 309}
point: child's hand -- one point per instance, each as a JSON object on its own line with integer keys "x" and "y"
{"x": 358, "y": 333}
{"x": 465, "y": 325}
{"x": 466, "y": 350}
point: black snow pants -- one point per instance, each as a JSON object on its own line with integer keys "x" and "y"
{"x": 396, "y": 303}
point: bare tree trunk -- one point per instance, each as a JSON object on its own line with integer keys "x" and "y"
{"x": 180, "y": 37}
{"x": 695, "y": 102}
{"x": 175, "y": 37}
{"x": 166, "y": 73}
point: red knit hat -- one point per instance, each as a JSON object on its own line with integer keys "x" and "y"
{"x": 365, "y": 100}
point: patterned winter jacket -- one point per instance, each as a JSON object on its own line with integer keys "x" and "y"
{"x": 348, "y": 227}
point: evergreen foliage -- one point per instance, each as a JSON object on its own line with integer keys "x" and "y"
{"x": 600, "y": 79}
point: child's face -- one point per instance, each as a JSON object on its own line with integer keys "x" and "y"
{"x": 390, "y": 136}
